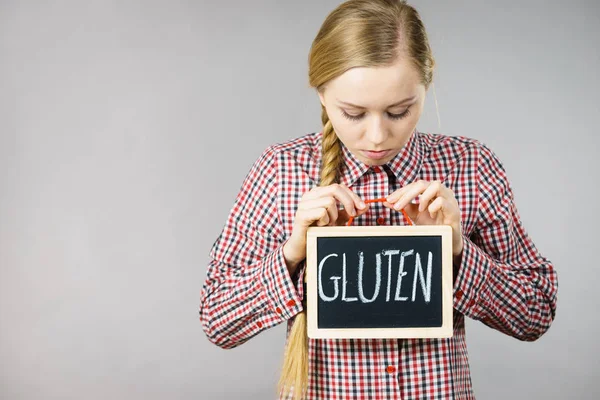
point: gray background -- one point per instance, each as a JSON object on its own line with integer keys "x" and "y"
{"x": 126, "y": 129}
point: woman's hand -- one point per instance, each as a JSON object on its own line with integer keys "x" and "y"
{"x": 437, "y": 206}
{"x": 319, "y": 207}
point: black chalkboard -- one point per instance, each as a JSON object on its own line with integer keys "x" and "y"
{"x": 387, "y": 283}
{"x": 386, "y": 297}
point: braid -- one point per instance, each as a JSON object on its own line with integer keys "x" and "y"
{"x": 295, "y": 365}
{"x": 331, "y": 152}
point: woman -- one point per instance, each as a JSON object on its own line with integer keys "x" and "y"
{"x": 371, "y": 65}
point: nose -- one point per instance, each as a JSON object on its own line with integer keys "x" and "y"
{"x": 376, "y": 131}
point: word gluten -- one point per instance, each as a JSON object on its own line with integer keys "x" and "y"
{"x": 407, "y": 261}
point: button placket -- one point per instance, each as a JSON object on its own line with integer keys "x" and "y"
{"x": 383, "y": 213}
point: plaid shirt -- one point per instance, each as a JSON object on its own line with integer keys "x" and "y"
{"x": 501, "y": 279}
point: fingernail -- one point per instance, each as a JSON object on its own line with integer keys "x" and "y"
{"x": 362, "y": 204}
{"x": 397, "y": 206}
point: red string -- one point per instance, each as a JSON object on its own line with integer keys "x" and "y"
{"x": 381, "y": 200}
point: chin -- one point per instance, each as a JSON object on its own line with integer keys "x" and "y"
{"x": 378, "y": 163}
{"x": 372, "y": 163}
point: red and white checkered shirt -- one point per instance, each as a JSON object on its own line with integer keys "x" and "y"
{"x": 501, "y": 280}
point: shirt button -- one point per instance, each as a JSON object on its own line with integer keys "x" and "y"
{"x": 376, "y": 169}
{"x": 259, "y": 324}
{"x": 278, "y": 310}
{"x": 459, "y": 294}
{"x": 291, "y": 303}
{"x": 390, "y": 369}
{"x": 380, "y": 221}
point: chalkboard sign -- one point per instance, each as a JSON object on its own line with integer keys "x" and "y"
{"x": 379, "y": 282}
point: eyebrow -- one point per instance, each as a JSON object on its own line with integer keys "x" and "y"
{"x": 392, "y": 105}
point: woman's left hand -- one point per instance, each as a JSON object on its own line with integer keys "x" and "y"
{"x": 437, "y": 206}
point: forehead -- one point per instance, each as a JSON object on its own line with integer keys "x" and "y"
{"x": 376, "y": 86}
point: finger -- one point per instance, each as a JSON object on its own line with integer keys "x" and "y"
{"x": 314, "y": 216}
{"x": 315, "y": 193}
{"x": 332, "y": 210}
{"x": 437, "y": 206}
{"x": 325, "y": 217}
{"x": 343, "y": 218}
{"x": 430, "y": 194}
{"x": 350, "y": 200}
{"x": 415, "y": 189}
{"x": 360, "y": 207}
{"x": 328, "y": 203}
{"x": 361, "y": 212}
{"x": 446, "y": 192}
{"x": 393, "y": 197}
{"x": 396, "y": 195}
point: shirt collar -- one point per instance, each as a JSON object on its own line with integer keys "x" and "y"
{"x": 405, "y": 165}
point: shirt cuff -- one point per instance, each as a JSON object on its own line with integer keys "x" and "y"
{"x": 284, "y": 297}
{"x": 473, "y": 272}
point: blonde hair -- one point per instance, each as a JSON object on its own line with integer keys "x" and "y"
{"x": 358, "y": 33}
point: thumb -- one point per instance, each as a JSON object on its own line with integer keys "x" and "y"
{"x": 412, "y": 210}
{"x": 344, "y": 217}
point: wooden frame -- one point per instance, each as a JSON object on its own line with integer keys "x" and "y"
{"x": 444, "y": 231}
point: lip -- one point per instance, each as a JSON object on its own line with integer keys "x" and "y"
{"x": 375, "y": 155}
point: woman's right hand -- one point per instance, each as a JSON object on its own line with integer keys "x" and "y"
{"x": 319, "y": 207}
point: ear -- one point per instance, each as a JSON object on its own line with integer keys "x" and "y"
{"x": 321, "y": 97}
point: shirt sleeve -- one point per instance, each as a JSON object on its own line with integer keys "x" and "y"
{"x": 503, "y": 280}
{"x": 248, "y": 287}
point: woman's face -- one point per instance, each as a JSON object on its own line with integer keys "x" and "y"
{"x": 375, "y": 109}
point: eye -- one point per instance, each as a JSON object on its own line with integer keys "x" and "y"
{"x": 352, "y": 117}
{"x": 399, "y": 116}
{"x": 392, "y": 116}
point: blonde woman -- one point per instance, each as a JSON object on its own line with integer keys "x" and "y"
{"x": 371, "y": 66}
